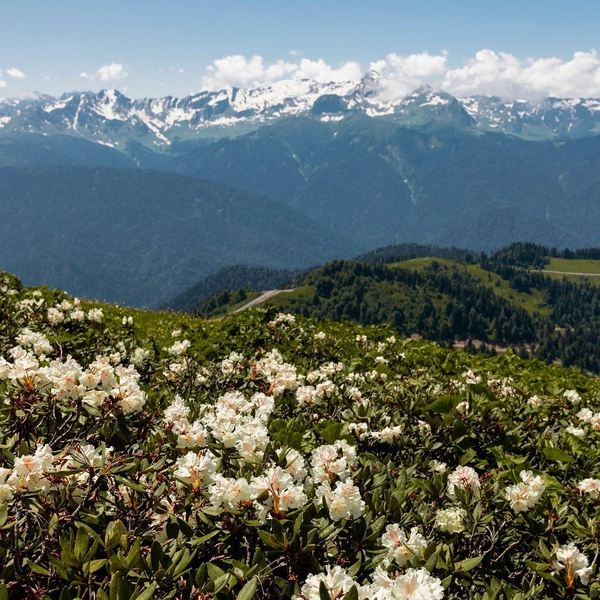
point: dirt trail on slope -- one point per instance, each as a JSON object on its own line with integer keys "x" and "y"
{"x": 264, "y": 296}
{"x": 567, "y": 273}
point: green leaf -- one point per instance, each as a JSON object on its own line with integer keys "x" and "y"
{"x": 3, "y": 514}
{"x": 3, "y": 592}
{"x": 130, "y": 484}
{"x": 214, "y": 572}
{"x": 468, "y": 564}
{"x": 148, "y": 592}
{"x": 249, "y": 590}
{"x": 556, "y": 454}
{"x": 65, "y": 594}
{"x": 270, "y": 540}
{"x": 443, "y": 405}
{"x": 331, "y": 432}
{"x": 323, "y": 592}
{"x": 37, "y": 569}
{"x": 120, "y": 589}
{"x": 352, "y": 594}
{"x": 82, "y": 543}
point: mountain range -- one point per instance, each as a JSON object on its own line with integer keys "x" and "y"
{"x": 110, "y": 118}
{"x": 137, "y": 200}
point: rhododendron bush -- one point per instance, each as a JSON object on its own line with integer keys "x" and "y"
{"x": 269, "y": 456}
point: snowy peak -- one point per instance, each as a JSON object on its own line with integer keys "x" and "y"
{"x": 111, "y": 118}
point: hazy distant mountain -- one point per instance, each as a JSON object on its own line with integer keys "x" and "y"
{"x": 140, "y": 237}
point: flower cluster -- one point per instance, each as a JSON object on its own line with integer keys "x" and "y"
{"x": 524, "y": 495}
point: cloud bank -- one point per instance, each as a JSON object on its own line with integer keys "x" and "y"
{"x": 238, "y": 71}
{"x": 488, "y": 72}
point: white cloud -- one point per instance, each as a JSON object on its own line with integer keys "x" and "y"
{"x": 401, "y": 75}
{"x": 320, "y": 71}
{"x": 238, "y": 71}
{"x": 488, "y": 72}
{"x": 506, "y": 75}
{"x": 15, "y": 73}
{"x": 2, "y": 83}
{"x": 108, "y": 73}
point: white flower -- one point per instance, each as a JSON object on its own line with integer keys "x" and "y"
{"x": 525, "y": 495}
{"x": 575, "y": 563}
{"x": 325, "y": 389}
{"x": 387, "y": 434}
{"x": 55, "y": 316}
{"x": 585, "y": 415}
{"x": 462, "y": 407}
{"x": 95, "y": 315}
{"x": 230, "y": 493}
{"x": 591, "y": 487}
{"x": 7, "y": 491}
{"x": 471, "y": 378}
{"x": 438, "y": 467}
{"x": 343, "y": 502}
{"x": 463, "y": 478}
{"x": 572, "y": 396}
{"x": 77, "y": 315}
{"x": 177, "y": 410}
{"x": 30, "y": 471}
{"x": 451, "y": 519}
{"x": 424, "y": 428}
{"x": 197, "y": 470}
{"x": 320, "y": 336}
{"x": 283, "y": 493}
{"x": 335, "y": 460}
{"x": 400, "y": 547}
{"x": 534, "y": 402}
{"x": 416, "y": 584}
{"x": 179, "y": 348}
{"x": 307, "y": 394}
{"x": 139, "y": 356}
{"x": 295, "y": 464}
{"x": 336, "y": 580}
{"x": 34, "y": 341}
{"x": 576, "y": 431}
{"x": 190, "y": 435}
{"x": 128, "y": 393}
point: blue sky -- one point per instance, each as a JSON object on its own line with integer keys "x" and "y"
{"x": 159, "y": 48}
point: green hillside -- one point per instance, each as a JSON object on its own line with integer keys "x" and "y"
{"x": 158, "y": 455}
{"x": 483, "y": 303}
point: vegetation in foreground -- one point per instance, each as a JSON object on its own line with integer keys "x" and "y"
{"x": 147, "y": 455}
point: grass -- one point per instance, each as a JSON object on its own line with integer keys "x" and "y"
{"x": 532, "y": 303}
{"x": 147, "y": 323}
{"x": 574, "y": 265}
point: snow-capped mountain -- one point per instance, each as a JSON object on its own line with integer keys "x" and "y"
{"x": 112, "y": 119}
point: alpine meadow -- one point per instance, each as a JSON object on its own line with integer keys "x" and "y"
{"x": 299, "y": 301}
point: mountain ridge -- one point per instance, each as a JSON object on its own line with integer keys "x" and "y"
{"x": 109, "y": 117}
